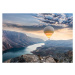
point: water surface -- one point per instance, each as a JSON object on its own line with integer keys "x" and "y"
{"x": 11, "y": 53}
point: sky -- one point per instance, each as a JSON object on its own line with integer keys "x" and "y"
{"x": 33, "y": 24}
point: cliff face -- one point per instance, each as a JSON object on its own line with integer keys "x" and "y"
{"x": 17, "y": 40}
{"x": 30, "y": 58}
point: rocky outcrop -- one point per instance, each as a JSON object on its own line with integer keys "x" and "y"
{"x": 31, "y": 58}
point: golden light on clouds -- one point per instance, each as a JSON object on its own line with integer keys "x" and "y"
{"x": 63, "y": 34}
{"x": 60, "y": 34}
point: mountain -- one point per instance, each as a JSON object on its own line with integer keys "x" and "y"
{"x": 13, "y": 39}
{"x": 59, "y": 43}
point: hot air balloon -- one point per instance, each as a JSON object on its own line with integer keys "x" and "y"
{"x": 49, "y": 30}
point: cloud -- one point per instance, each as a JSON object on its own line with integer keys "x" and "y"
{"x": 56, "y": 20}
{"x": 28, "y": 28}
{"x": 65, "y": 20}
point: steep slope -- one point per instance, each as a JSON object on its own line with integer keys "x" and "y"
{"x": 13, "y": 39}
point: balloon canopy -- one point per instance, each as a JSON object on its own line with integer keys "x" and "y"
{"x": 49, "y": 30}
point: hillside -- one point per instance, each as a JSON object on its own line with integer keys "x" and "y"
{"x": 13, "y": 39}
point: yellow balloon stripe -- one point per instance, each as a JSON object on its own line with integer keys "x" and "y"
{"x": 48, "y": 34}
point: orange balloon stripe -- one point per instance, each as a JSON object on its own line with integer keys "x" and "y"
{"x": 48, "y": 34}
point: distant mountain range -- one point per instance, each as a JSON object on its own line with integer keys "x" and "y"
{"x": 59, "y": 43}
{"x": 13, "y": 39}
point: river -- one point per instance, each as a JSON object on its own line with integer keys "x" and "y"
{"x": 12, "y": 53}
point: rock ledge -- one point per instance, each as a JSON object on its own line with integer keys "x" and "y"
{"x": 31, "y": 58}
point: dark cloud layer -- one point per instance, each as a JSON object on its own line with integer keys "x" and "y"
{"x": 53, "y": 18}
{"x": 30, "y": 28}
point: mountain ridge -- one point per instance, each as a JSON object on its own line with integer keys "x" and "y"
{"x": 13, "y": 39}
{"x": 59, "y": 43}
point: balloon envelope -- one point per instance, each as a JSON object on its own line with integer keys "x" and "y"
{"x": 49, "y": 30}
